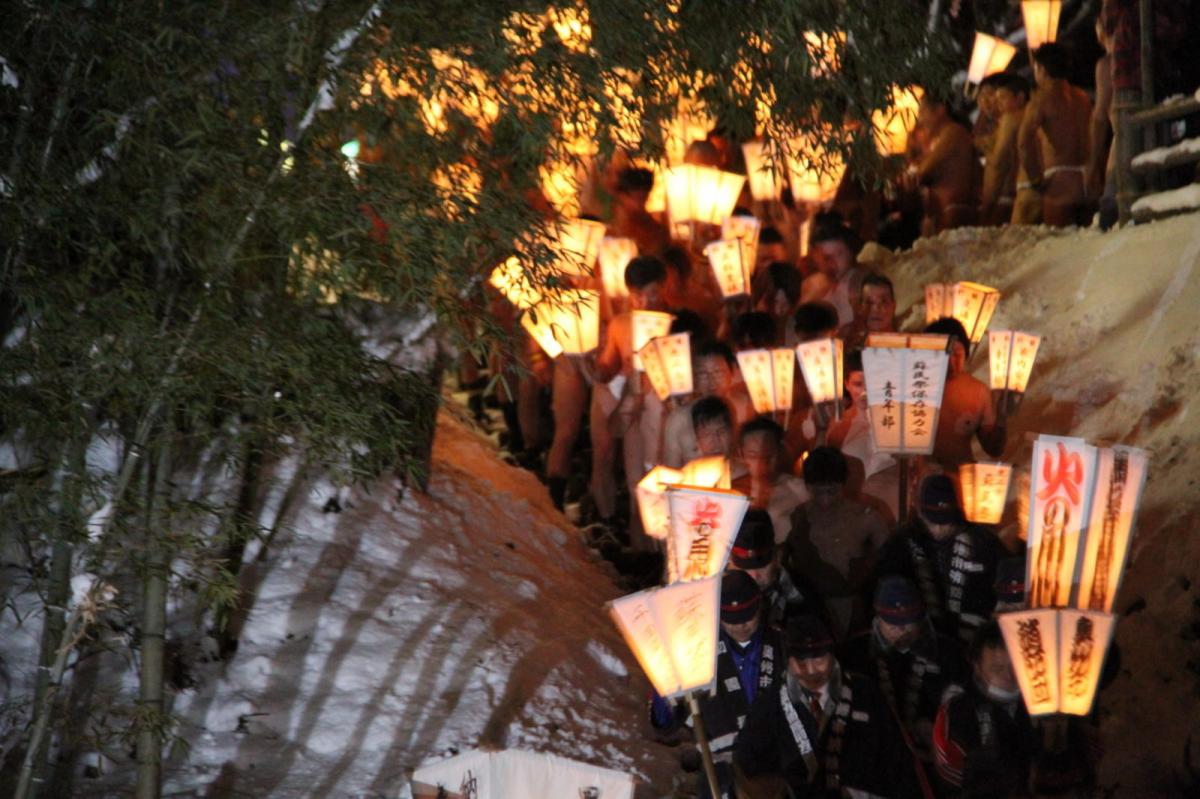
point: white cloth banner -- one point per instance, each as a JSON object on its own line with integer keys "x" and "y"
{"x": 1060, "y": 492}
{"x": 704, "y": 524}
{"x": 904, "y": 397}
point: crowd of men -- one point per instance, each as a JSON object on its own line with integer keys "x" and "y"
{"x": 858, "y": 651}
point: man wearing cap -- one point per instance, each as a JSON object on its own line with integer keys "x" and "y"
{"x": 823, "y": 731}
{"x": 953, "y": 563}
{"x": 755, "y": 553}
{"x": 749, "y": 664}
{"x": 910, "y": 663}
{"x": 1010, "y": 584}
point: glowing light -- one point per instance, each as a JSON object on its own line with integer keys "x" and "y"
{"x": 972, "y": 304}
{"x": 984, "y": 490}
{"x": 988, "y": 56}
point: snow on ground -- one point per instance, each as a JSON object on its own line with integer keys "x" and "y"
{"x": 393, "y": 632}
{"x": 1118, "y": 364}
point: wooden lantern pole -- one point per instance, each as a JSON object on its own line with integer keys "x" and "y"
{"x": 902, "y": 490}
{"x": 710, "y": 769}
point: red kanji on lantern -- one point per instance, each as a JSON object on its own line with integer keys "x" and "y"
{"x": 1068, "y": 475}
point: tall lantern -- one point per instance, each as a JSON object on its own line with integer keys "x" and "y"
{"x": 821, "y": 365}
{"x": 1120, "y": 478}
{"x": 578, "y": 245}
{"x": 652, "y": 500}
{"x": 972, "y": 304}
{"x": 708, "y": 472}
{"x": 988, "y": 56}
{"x": 510, "y": 280}
{"x": 1041, "y": 21}
{"x": 769, "y": 375}
{"x": 1060, "y": 490}
{"x": 646, "y": 326}
{"x": 614, "y": 255}
{"x": 766, "y": 181}
{"x": 667, "y": 361}
{"x": 701, "y": 194}
{"x": 731, "y": 266}
{"x": 814, "y": 174}
{"x": 1010, "y": 357}
{"x": 745, "y": 228}
{"x": 1057, "y": 656}
{"x": 893, "y": 126}
{"x": 704, "y": 524}
{"x": 570, "y": 326}
{"x": 984, "y": 490}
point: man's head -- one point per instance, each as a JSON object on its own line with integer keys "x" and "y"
{"x": 855, "y": 380}
{"x": 877, "y": 304}
{"x": 752, "y": 330}
{"x": 991, "y": 664}
{"x": 679, "y": 272}
{"x": 771, "y": 247}
{"x": 741, "y": 605}
{"x": 633, "y": 188}
{"x": 810, "y": 652}
{"x": 960, "y": 343}
{"x": 1012, "y": 94}
{"x": 899, "y": 612}
{"x": 644, "y": 277}
{"x": 937, "y": 506}
{"x": 780, "y": 288}
{"x": 688, "y": 321}
{"x": 760, "y": 445}
{"x": 825, "y": 473}
{"x": 1051, "y": 61}
{"x": 713, "y": 369}
{"x": 985, "y": 99}
{"x": 713, "y": 425}
{"x": 814, "y": 320}
{"x": 754, "y": 550}
{"x": 833, "y": 247}
{"x": 933, "y": 114}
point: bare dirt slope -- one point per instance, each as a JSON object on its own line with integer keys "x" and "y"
{"x": 1118, "y": 313}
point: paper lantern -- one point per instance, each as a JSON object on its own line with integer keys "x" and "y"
{"x": 984, "y": 490}
{"x": 768, "y": 375}
{"x": 893, "y": 125}
{"x": 644, "y": 326}
{"x": 667, "y": 361}
{"x": 614, "y": 255}
{"x": 571, "y": 325}
{"x": 1120, "y": 478}
{"x": 511, "y": 281}
{"x": 988, "y": 56}
{"x": 512, "y": 772}
{"x": 1057, "y": 656}
{"x": 905, "y": 377}
{"x": 691, "y": 124}
{"x": 672, "y": 631}
{"x": 701, "y": 194}
{"x": 1011, "y": 355}
{"x": 972, "y": 304}
{"x": 763, "y": 172}
{"x": 704, "y": 524}
{"x": 745, "y": 228}
{"x": 708, "y": 472}
{"x": 731, "y": 265}
{"x": 652, "y": 500}
{"x": 814, "y": 174}
{"x": 578, "y": 244}
{"x": 821, "y": 364}
{"x": 1060, "y": 491}
{"x": 1041, "y": 21}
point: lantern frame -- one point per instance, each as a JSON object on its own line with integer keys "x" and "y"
{"x": 763, "y": 171}
{"x": 1041, "y": 21}
{"x": 906, "y": 353}
{"x": 814, "y": 174}
{"x": 613, "y": 255}
{"x": 1058, "y": 656}
{"x": 972, "y": 304}
{"x": 576, "y": 246}
{"x": 699, "y": 194}
{"x": 510, "y": 279}
{"x": 709, "y": 471}
{"x": 893, "y": 126}
{"x": 731, "y": 266}
{"x": 983, "y": 490}
{"x": 770, "y": 376}
{"x": 569, "y": 323}
{"x": 1120, "y": 481}
{"x": 821, "y": 364}
{"x": 644, "y": 326}
{"x": 989, "y": 55}
{"x": 652, "y": 500}
{"x": 667, "y": 361}
{"x": 704, "y": 525}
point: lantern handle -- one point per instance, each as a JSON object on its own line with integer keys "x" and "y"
{"x": 710, "y": 770}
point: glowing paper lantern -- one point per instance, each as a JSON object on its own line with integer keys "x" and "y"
{"x": 689, "y": 125}
{"x": 821, "y": 364}
{"x": 1063, "y": 475}
{"x": 496, "y": 775}
{"x": 769, "y": 375}
{"x": 578, "y": 244}
{"x": 731, "y": 265}
{"x": 1057, "y": 656}
{"x": 704, "y": 523}
{"x": 1120, "y": 478}
{"x": 701, "y": 194}
{"x": 708, "y": 472}
{"x": 614, "y": 255}
{"x": 672, "y": 631}
{"x": 652, "y": 500}
{"x": 764, "y": 174}
{"x": 972, "y": 304}
{"x": 647, "y": 325}
{"x": 984, "y": 490}
{"x": 893, "y": 125}
{"x": 1011, "y": 355}
{"x": 905, "y": 377}
{"x": 745, "y": 228}
{"x": 814, "y": 176}
{"x": 1041, "y": 21}
{"x": 571, "y": 325}
{"x": 511, "y": 281}
{"x": 988, "y": 56}
{"x": 667, "y": 361}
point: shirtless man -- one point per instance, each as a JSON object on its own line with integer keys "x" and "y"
{"x": 1002, "y": 172}
{"x": 876, "y": 312}
{"x": 630, "y": 217}
{"x": 948, "y": 167}
{"x": 834, "y": 250}
{"x": 1056, "y": 126}
{"x": 766, "y": 480}
{"x": 714, "y": 368}
{"x": 966, "y": 406}
{"x": 1100, "y": 182}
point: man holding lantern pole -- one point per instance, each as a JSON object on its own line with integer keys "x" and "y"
{"x": 967, "y": 411}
